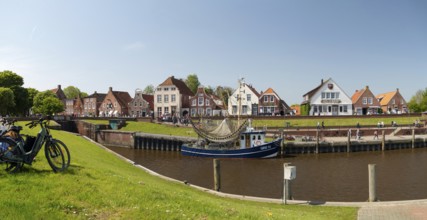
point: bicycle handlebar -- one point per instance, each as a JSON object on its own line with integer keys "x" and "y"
{"x": 33, "y": 124}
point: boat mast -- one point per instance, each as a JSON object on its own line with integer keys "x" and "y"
{"x": 239, "y": 99}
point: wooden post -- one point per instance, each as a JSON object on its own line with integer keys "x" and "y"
{"x": 317, "y": 141}
{"x": 383, "y": 141}
{"x": 413, "y": 138}
{"x": 282, "y": 143}
{"x": 287, "y": 193}
{"x": 348, "y": 140}
{"x": 217, "y": 176}
{"x": 372, "y": 183}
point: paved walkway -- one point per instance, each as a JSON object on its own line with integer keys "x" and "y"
{"x": 407, "y": 210}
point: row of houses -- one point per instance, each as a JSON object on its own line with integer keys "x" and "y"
{"x": 174, "y": 98}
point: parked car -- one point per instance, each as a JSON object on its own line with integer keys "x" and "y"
{"x": 166, "y": 117}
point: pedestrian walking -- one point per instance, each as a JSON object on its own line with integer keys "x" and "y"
{"x": 375, "y": 135}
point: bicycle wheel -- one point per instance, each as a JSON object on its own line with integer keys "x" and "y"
{"x": 57, "y": 155}
{"x": 10, "y": 154}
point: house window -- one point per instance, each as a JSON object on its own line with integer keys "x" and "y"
{"x": 159, "y": 98}
{"x": 315, "y": 108}
{"x": 173, "y": 109}
{"x": 329, "y": 108}
{"x": 345, "y": 108}
{"x": 208, "y": 112}
{"x": 173, "y": 88}
{"x": 208, "y": 103}
{"x": 159, "y": 111}
{"x": 333, "y": 95}
{"x": 166, "y": 98}
{"x": 340, "y": 108}
{"x": 173, "y": 98}
{"x": 244, "y": 109}
{"x": 370, "y": 100}
{"x": 265, "y": 98}
{"x": 337, "y": 95}
{"x": 248, "y": 97}
{"x": 193, "y": 112}
{"x": 159, "y": 89}
{"x": 328, "y": 95}
{"x": 393, "y": 101}
{"x": 135, "y": 104}
{"x": 166, "y": 89}
{"x": 194, "y": 102}
{"x": 323, "y": 95}
{"x": 365, "y": 100}
{"x": 166, "y": 110}
{"x": 201, "y": 99}
{"x": 234, "y": 110}
{"x": 200, "y": 111}
{"x": 271, "y": 98}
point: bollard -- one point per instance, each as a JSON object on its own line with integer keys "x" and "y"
{"x": 413, "y": 138}
{"x": 287, "y": 193}
{"x": 372, "y": 183}
{"x": 217, "y": 177}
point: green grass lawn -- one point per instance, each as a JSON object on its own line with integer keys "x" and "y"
{"x": 99, "y": 185}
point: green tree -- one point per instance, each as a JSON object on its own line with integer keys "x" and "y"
{"x": 223, "y": 93}
{"x": 149, "y": 90}
{"x": 418, "y": 102}
{"x": 9, "y": 79}
{"x": 47, "y": 103}
{"x": 7, "y": 101}
{"x": 209, "y": 90}
{"x": 72, "y": 92}
{"x": 192, "y": 82}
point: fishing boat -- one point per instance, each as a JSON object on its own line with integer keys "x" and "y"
{"x": 222, "y": 142}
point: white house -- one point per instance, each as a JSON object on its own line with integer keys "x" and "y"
{"x": 328, "y": 99}
{"x": 246, "y": 97}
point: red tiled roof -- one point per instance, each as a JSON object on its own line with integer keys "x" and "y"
{"x": 183, "y": 88}
{"x": 356, "y": 96}
{"x": 386, "y": 97}
{"x": 150, "y": 100}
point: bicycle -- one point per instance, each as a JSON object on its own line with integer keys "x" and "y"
{"x": 15, "y": 151}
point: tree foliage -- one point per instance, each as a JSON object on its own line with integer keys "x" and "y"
{"x": 223, "y": 93}
{"x": 7, "y": 101}
{"x": 418, "y": 102}
{"x": 9, "y": 79}
{"x": 149, "y": 90}
{"x": 47, "y": 103}
{"x": 72, "y": 92}
{"x": 192, "y": 82}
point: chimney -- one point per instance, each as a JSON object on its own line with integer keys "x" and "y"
{"x": 367, "y": 87}
{"x": 397, "y": 89}
{"x": 110, "y": 89}
{"x": 357, "y": 91}
{"x": 321, "y": 82}
{"x": 59, "y": 87}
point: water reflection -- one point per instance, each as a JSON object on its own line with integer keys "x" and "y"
{"x": 326, "y": 177}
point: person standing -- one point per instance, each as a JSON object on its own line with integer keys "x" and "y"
{"x": 375, "y": 135}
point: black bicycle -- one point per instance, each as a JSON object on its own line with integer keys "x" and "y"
{"x": 17, "y": 150}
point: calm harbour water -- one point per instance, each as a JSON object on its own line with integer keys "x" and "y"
{"x": 401, "y": 174}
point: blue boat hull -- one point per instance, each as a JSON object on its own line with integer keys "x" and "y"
{"x": 267, "y": 150}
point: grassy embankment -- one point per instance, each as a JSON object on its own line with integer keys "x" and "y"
{"x": 181, "y": 130}
{"x": 99, "y": 185}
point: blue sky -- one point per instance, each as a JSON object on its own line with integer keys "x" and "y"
{"x": 288, "y": 45}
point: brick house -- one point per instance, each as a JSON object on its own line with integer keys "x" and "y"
{"x": 172, "y": 97}
{"x": 392, "y": 102}
{"x": 115, "y": 104}
{"x": 271, "y": 104}
{"x": 203, "y": 104}
{"x": 59, "y": 93}
{"x": 142, "y": 105}
{"x": 74, "y": 107}
{"x": 365, "y": 102}
{"x": 248, "y": 101}
{"x": 92, "y": 103}
{"x": 326, "y": 99}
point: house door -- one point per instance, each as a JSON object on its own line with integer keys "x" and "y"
{"x": 335, "y": 110}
